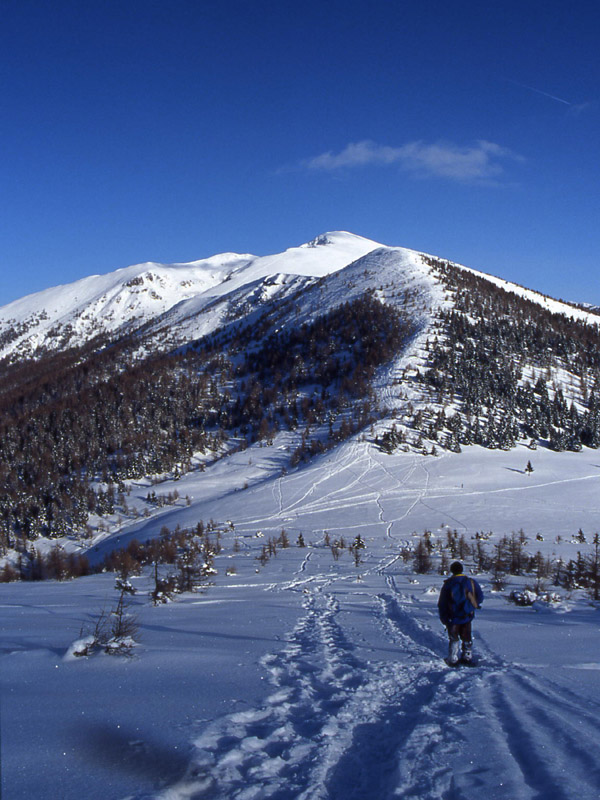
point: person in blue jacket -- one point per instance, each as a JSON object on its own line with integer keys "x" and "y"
{"x": 459, "y": 598}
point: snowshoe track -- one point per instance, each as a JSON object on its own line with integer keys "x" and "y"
{"x": 338, "y": 726}
{"x": 333, "y": 728}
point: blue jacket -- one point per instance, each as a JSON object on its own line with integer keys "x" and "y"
{"x": 454, "y": 606}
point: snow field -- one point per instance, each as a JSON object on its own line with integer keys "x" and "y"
{"x": 352, "y": 751}
{"x": 371, "y": 711}
{"x": 313, "y": 678}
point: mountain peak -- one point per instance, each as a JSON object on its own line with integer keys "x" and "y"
{"x": 340, "y": 238}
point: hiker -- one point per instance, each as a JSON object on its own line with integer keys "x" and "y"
{"x": 459, "y": 598}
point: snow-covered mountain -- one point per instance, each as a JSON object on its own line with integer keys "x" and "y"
{"x": 337, "y": 336}
{"x": 174, "y": 303}
{"x": 122, "y": 301}
{"x": 307, "y": 439}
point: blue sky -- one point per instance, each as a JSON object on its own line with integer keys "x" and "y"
{"x": 169, "y": 130}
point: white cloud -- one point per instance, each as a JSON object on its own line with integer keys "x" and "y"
{"x": 480, "y": 162}
{"x": 355, "y": 155}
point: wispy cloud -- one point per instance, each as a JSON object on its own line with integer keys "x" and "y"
{"x": 482, "y": 161}
{"x": 540, "y": 91}
{"x": 574, "y": 108}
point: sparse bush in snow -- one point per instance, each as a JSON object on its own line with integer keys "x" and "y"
{"x": 81, "y": 647}
{"x": 112, "y": 632}
{"x": 528, "y": 597}
{"x": 523, "y": 598}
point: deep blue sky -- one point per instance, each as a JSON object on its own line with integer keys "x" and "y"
{"x": 169, "y": 130}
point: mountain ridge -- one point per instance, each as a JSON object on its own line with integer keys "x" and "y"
{"x": 129, "y": 298}
{"x": 118, "y": 301}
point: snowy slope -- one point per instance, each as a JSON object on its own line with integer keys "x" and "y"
{"x": 395, "y": 271}
{"x": 68, "y": 315}
{"x": 271, "y": 278}
{"x": 121, "y": 301}
{"x": 555, "y": 306}
{"x": 309, "y": 677}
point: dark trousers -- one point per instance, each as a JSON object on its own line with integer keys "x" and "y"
{"x": 462, "y": 632}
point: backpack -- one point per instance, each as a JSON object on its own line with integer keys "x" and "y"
{"x": 463, "y": 600}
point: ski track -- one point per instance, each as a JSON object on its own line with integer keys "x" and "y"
{"x": 302, "y": 504}
{"x": 277, "y": 496}
{"x": 350, "y": 486}
{"x": 331, "y": 469}
{"x": 532, "y": 730}
{"x": 341, "y": 497}
{"x": 400, "y": 481}
{"x": 528, "y": 488}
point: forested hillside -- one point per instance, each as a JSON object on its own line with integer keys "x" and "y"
{"x": 75, "y": 427}
{"x": 501, "y": 368}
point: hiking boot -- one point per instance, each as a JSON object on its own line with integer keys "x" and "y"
{"x": 454, "y": 651}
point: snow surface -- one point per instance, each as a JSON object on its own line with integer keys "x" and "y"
{"x": 310, "y": 677}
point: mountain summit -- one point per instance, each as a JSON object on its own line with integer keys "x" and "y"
{"x": 121, "y": 301}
